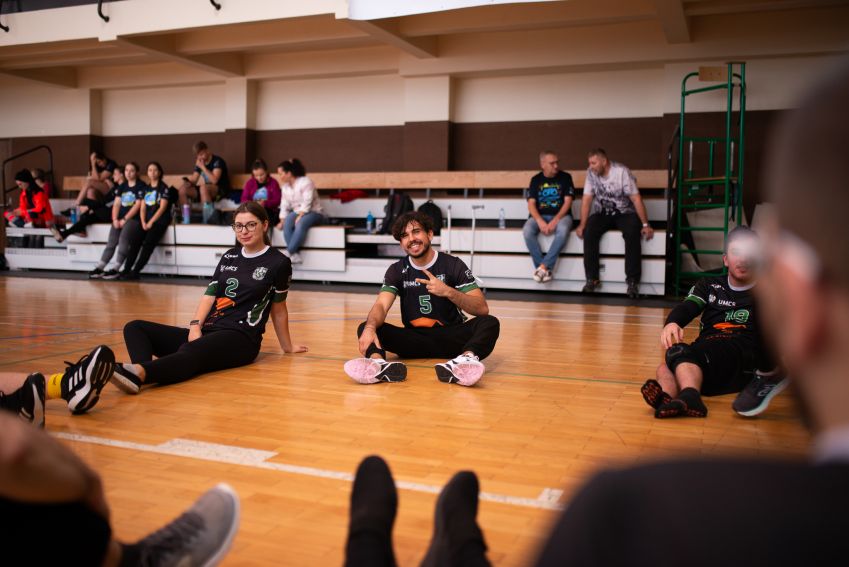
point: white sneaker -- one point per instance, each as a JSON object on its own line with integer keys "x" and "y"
{"x": 56, "y": 234}
{"x": 296, "y": 258}
{"x": 546, "y": 276}
{"x": 374, "y": 370}
{"x": 465, "y": 370}
{"x": 538, "y": 274}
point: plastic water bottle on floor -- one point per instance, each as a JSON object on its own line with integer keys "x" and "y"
{"x": 75, "y": 215}
{"x": 502, "y": 220}
{"x": 369, "y": 223}
{"x": 187, "y": 213}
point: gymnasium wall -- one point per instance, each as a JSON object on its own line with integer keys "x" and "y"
{"x": 489, "y": 101}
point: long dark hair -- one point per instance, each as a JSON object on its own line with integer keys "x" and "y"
{"x": 293, "y": 166}
{"x": 259, "y": 212}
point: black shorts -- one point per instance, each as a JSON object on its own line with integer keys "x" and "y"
{"x": 727, "y": 363}
{"x": 77, "y": 534}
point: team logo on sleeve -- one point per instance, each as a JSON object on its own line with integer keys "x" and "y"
{"x": 260, "y": 272}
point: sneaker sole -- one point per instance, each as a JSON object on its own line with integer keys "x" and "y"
{"x": 98, "y": 371}
{"x": 392, "y": 372}
{"x": 124, "y": 384}
{"x": 760, "y": 408}
{"x": 444, "y": 374}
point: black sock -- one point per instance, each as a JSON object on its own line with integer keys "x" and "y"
{"x": 374, "y": 502}
{"x": 695, "y": 405}
{"x": 457, "y": 539}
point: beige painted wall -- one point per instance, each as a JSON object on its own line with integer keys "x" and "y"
{"x": 329, "y": 103}
{"x": 29, "y": 109}
{"x": 172, "y": 110}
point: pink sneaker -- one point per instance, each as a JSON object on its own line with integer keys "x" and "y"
{"x": 374, "y": 370}
{"x": 464, "y": 370}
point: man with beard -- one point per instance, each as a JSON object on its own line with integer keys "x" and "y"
{"x": 435, "y": 289}
{"x": 611, "y": 200}
{"x": 729, "y": 346}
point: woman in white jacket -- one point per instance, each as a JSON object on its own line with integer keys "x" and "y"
{"x": 300, "y": 208}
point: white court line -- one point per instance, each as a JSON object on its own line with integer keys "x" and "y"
{"x": 547, "y": 500}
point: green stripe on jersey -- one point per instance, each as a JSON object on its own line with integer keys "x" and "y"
{"x": 468, "y": 287}
{"x": 211, "y": 289}
{"x": 697, "y": 300}
{"x": 390, "y": 289}
{"x": 280, "y": 296}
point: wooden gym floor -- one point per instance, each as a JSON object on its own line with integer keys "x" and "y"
{"x": 560, "y": 400}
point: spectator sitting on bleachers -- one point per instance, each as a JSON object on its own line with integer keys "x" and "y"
{"x": 729, "y": 348}
{"x": 300, "y": 208}
{"x": 126, "y": 205}
{"x": 41, "y": 180}
{"x": 154, "y": 219}
{"x": 34, "y": 206}
{"x": 550, "y": 195}
{"x": 99, "y": 182}
{"x": 92, "y": 211}
{"x": 263, "y": 189}
{"x": 611, "y": 199}
{"x": 210, "y": 180}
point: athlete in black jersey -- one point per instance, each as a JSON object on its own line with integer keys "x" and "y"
{"x": 435, "y": 288}
{"x": 250, "y": 283}
{"x": 729, "y": 346}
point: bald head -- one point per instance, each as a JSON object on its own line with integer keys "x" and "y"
{"x": 808, "y": 176}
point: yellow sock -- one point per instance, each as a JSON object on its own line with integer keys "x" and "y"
{"x": 54, "y": 386}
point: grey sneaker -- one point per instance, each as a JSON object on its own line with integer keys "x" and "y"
{"x": 755, "y": 397}
{"x": 201, "y": 536}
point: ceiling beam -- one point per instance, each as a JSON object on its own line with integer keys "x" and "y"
{"x": 65, "y": 77}
{"x": 675, "y": 25}
{"x": 387, "y": 32}
{"x": 223, "y": 64}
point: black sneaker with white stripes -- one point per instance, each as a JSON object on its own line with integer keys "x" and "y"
{"x": 83, "y": 381}
{"x": 28, "y": 400}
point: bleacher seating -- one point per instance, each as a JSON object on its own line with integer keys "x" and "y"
{"x": 345, "y": 253}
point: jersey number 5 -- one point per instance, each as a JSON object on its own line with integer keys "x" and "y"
{"x": 424, "y": 304}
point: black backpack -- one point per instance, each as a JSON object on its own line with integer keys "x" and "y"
{"x": 398, "y": 204}
{"x": 432, "y": 210}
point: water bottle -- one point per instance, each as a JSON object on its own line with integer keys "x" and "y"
{"x": 187, "y": 213}
{"x": 502, "y": 221}
{"x": 369, "y": 223}
{"x": 75, "y": 215}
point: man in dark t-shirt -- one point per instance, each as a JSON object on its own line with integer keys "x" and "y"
{"x": 729, "y": 347}
{"x": 550, "y": 195}
{"x": 210, "y": 180}
{"x": 435, "y": 288}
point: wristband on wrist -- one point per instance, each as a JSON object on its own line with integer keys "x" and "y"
{"x": 645, "y": 225}
{"x": 194, "y": 322}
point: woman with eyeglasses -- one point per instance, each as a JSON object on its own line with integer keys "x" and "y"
{"x": 250, "y": 284}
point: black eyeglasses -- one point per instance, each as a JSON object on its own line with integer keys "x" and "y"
{"x": 249, "y": 226}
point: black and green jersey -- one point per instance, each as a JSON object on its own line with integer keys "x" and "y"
{"x": 244, "y": 287}
{"x": 418, "y": 307}
{"x": 725, "y": 310}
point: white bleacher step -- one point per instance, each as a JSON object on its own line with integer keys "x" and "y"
{"x": 511, "y": 240}
{"x": 515, "y": 208}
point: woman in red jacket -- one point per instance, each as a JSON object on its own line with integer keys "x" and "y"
{"x": 34, "y": 208}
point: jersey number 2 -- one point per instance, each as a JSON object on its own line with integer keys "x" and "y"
{"x": 424, "y": 303}
{"x": 230, "y": 290}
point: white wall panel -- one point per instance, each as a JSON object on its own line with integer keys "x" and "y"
{"x": 173, "y": 110}
{"x": 610, "y": 94}
{"x": 29, "y": 109}
{"x": 330, "y": 103}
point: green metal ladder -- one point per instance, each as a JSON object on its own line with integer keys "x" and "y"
{"x": 707, "y": 190}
